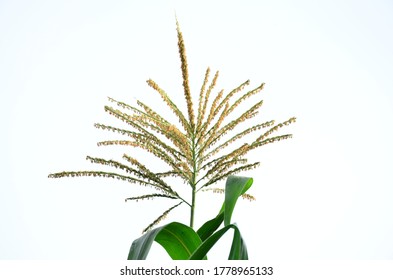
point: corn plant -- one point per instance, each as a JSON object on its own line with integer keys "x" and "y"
{"x": 201, "y": 149}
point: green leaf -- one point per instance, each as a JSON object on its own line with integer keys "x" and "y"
{"x": 208, "y": 228}
{"x": 179, "y": 240}
{"x": 238, "y": 248}
{"x": 140, "y": 247}
{"x": 235, "y": 186}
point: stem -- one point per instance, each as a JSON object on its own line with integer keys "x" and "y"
{"x": 192, "y": 207}
{"x": 193, "y": 181}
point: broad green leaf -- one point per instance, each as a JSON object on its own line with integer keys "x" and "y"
{"x": 238, "y": 248}
{"x": 140, "y": 247}
{"x": 235, "y": 186}
{"x": 208, "y": 228}
{"x": 179, "y": 240}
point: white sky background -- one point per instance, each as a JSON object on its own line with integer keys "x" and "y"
{"x": 325, "y": 194}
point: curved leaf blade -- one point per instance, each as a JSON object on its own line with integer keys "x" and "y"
{"x": 140, "y": 247}
{"x": 238, "y": 248}
{"x": 235, "y": 186}
{"x": 179, "y": 241}
{"x": 208, "y": 228}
